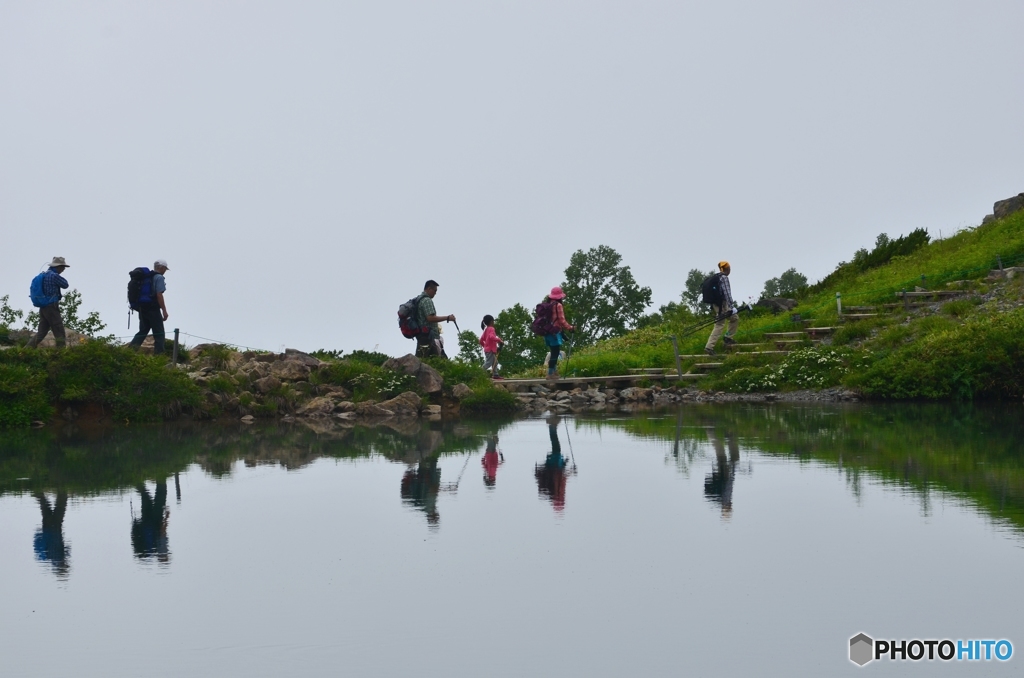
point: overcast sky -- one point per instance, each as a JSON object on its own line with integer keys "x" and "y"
{"x": 305, "y": 166}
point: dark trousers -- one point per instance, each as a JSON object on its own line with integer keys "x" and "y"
{"x": 49, "y": 319}
{"x": 150, "y": 319}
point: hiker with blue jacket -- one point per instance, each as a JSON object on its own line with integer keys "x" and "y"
{"x": 146, "y": 296}
{"x": 45, "y": 294}
{"x": 724, "y": 309}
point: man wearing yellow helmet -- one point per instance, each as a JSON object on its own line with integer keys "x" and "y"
{"x": 724, "y": 310}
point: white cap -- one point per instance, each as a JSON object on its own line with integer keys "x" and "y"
{"x": 161, "y": 262}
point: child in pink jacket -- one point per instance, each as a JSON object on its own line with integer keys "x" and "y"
{"x": 491, "y": 343}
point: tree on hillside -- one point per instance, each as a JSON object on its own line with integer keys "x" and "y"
{"x": 789, "y": 284}
{"x": 469, "y": 348}
{"x": 692, "y": 296}
{"x": 8, "y": 315}
{"x": 522, "y": 348}
{"x": 603, "y": 295}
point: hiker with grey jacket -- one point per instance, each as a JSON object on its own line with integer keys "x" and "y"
{"x": 146, "y": 296}
{"x": 45, "y": 293}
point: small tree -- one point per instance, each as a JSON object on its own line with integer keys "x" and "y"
{"x": 522, "y": 348}
{"x": 469, "y": 348}
{"x": 692, "y": 296}
{"x": 603, "y": 295}
{"x": 788, "y": 284}
{"x": 90, "y": 326}
{"x": 8, "y": 315}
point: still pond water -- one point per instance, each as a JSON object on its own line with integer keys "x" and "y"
{"x": 731, "y": 540}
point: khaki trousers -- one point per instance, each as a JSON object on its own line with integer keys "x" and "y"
{"x": 733, "y": 320}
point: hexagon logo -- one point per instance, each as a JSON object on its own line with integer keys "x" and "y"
{"x": 861, "y": 649}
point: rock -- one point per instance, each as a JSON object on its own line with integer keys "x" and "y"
{"x": 777, "y": 304}
{"x": 344, "y": 406}
{"x": 336, "y": 392}
{"x": 299, "y": 356}
{"x": 370, "y": 409}
{"x": 256, "y": 369}
{"x": 267, "y": 384}
{"x": 303, "y": 387}
{"x": 317, "y": 407}
{"x": 248, "y": 419}
{"x": 427, "y": 377}
{"x": 1005, "y": 208}
{"x": 289, "y": 370}
{"x": 267, "y": 357}
{"x": 460, "y": 391}
{"x": 431, "y": 410}
{"x": 344, "y": 415}
{"x": 635, "y": 394}
{"x": 232, "y": 405}
{"x": 405, "y": 404}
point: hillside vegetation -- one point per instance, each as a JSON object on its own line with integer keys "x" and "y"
{"x": 965, "y": 347}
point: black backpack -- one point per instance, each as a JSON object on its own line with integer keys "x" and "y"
{"x": 711, "y": 290}
{"x": 140, "y": 288}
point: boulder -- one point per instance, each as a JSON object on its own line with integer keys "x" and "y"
{"x": 267, "y": 384}
{"x": 299, "y": 356}
{"x": 256, "y": 369}
{"x": 345, "y": 406}
{"x": 248, "y": 419}
{"x": 317, "y": 407}
{"x": 290, "y": 370}
{"x": 635, "y": 394}
{"x": 460, "y": 391}
{"x": 1005, "y": 208}
{"x": 432, "y": 410}
{"x": 406, "y": 404}
{"x": 371, "y": 409}
{"x": 427, "y": 377}
{"x": 336, "y": 392}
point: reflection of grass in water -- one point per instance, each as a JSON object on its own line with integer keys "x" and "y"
{"x": 971, "y": 452}
{"x": 122, "y": 457}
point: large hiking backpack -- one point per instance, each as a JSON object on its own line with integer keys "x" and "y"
{"x": 35, "y": 292}
{"x": 409, "y": 319}
{"x": 140, "y": 288}
{"x": 544, "y": 318}
{"x": 711, "y": 290}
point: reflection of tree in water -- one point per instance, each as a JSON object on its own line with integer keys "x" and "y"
{"x": 420, "y": 487}
{"x": 49, "y": 540}
{"x": 718, "y": 484}
{"x": 551, "y": 475}
{"x": 149, "y": 527}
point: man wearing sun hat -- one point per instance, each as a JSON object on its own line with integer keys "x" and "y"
{"x": 45, "y": 294}
{"x": 153, "y": 312}
{"x": 724, "y": 310}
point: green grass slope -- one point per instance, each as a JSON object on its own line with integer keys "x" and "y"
{"x": 965, "y": 348}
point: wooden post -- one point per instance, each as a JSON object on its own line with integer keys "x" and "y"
{"x": 906, "y": 302}
{"x": 839, "y": 304}
{"x": 174, "y": 351}
{"x": 999, "y": 260}
{"x": 679, "y": 365}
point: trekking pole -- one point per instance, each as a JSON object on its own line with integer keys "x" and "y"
{"x": 568, "y": 438}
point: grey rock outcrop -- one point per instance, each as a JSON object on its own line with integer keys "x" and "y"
{"x": 267, "y": 384}
{"x": 317, "y": 407}
{"x": 777, "y": 304}
{"x": 427, "y": 377}
{"x": 1005, "y": 208}
{"x": 289, "y": 370}
{"x": 405, "y": 404}
{"x": 461, "y": 391}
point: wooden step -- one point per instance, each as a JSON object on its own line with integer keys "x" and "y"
{"x": 860, "y": 309}
{"x": 647, "y": 370}
{"x": 819, "y": 330}
{"x": 733, "y": 347}
{"x": 706, "y": 366}
{"x": 932, "y": 293}
{"x": 858, "y": 316}
{"x": 785, "y": 335}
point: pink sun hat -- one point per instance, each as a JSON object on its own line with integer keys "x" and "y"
{"x": 556, "y": 293}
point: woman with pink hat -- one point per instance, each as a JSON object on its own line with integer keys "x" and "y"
{"x": 551, "y": 310}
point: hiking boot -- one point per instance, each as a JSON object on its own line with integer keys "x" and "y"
{"x": 496, "y": 377}
{"x": 710, "y": 351}
{"x": 729, "y": 341}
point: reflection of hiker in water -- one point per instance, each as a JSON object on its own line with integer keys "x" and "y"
{"x": 718, "y": 483}
{"x": 149, "y": 528}
{"x": 49, "y": 540}
{"x": 551, "y": 474}
{"x": 420, "y": 487}
{"x": 491, "y": 461}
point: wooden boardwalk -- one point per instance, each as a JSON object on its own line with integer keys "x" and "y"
{"x": 615, "y": 381}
